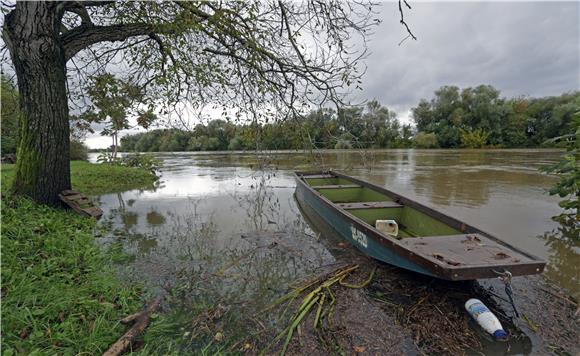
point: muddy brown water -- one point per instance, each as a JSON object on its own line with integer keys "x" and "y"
{"x": 199, "y": 226}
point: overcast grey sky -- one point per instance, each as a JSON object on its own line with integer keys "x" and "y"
{"x": 521, "y": 48}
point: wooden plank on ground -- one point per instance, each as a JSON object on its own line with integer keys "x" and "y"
{"x": 80, "y": 203}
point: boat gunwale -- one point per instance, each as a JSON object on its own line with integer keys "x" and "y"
{"x": 439, "y": 268}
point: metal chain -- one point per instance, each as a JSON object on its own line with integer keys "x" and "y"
{"x": 506, "y": 278}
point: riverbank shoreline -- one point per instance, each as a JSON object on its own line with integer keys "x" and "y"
{"x": 60, "y": 293}
{"x": 352, "y": 150}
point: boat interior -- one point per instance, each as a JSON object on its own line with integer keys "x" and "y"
{"x": 370, "y": 205}
{"x": 417, "y": 230}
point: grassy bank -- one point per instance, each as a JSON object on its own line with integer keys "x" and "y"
{"x": 95, "y": 179}
{"x": 59, "y": 292}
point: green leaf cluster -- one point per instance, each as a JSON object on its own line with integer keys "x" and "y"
{"x": 568, "y": 169}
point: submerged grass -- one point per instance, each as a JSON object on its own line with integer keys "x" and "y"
{"x": 60, "y": 294}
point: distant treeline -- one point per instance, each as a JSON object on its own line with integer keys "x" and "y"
{"x": 471, "y": 117}
{"x": 373, "y": 126}
{"x": 479, "y": 117}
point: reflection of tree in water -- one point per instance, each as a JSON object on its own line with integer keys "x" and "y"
{"x": 130, "y": 219}
{"x": 127, "y": 230}
{"x": 155, "y": 218}
{"x": 563, "y": 265}
{"x": 260, "y": 204}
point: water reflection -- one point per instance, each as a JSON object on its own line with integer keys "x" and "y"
{"x": 563, "y": 263}
{"x": 130, "y": 219}
{"x": 251, "y": 236}
{"x": 155, "y": 218}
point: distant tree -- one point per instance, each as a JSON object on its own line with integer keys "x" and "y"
{"x": 78, "y": 151}
{"x": 235, "y": 144}
{"x": 515, "y": 123}
{"x": 343, "y": 143}
{"x": 426, "y": 140}
{"x": 113, "y": 101}
{"x": 454, "y": 114}
{"x": 9, "y": 116}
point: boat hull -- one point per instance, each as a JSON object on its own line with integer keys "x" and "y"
{"x": 353, "y": 233}
{"x": 371, "y": 242}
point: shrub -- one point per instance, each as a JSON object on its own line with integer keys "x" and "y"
{"x": 568, "y": 169}
{"x": 343, "y": 144}
{"x": 426, "y": 140}
{"x": 140, "y": 160}
{"x": 474, "y": 138}
{"x": 137, "y": 160}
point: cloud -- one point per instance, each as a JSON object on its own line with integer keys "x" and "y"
{"x": 524, "y": 48}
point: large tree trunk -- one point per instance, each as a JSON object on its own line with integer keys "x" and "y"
{"x": 31, "y": 33}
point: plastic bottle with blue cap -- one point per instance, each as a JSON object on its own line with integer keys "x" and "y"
{"x": 485, "y": 318}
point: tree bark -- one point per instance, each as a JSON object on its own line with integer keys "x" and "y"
{"x": 31, "y": 33}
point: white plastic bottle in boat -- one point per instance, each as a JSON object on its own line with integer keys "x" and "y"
{"x": 388, "y": 227}
{"x": 485, "y": 318}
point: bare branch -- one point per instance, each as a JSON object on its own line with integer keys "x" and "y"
{"x": 162, "y": 48}
{"x": 402, "y": 21}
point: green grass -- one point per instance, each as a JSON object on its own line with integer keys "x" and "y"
{"x": 96, "y": 179}
{"x": 60, "y": 294}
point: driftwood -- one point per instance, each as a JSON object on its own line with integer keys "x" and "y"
{"x": 140, "y": 322}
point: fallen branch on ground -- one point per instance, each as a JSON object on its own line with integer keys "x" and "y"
{"x": 315, "y": 300}
{"x": 141, "y": 321}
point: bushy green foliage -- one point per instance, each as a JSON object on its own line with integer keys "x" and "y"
{"x": 474, "y": 138}
{"x": 568, "y": 168}
{"x": 139, "y": 160}
{"x": 133, "y": 160}
{"x": 426, "y": 140}
{"x": 113, "y": 100}
{"x": 517, "y": 122}
{"x": 471, "y": 117}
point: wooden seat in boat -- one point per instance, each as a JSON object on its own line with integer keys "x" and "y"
{"x": 336, "y": 186}
{"x": 369, "y": 205}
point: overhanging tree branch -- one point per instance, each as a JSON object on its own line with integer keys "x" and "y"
{"x": 82, "y": 37}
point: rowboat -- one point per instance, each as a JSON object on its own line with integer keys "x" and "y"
{"x": 427, "y": 241}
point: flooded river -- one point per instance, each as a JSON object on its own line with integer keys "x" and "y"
{"x": 231, "y": 215}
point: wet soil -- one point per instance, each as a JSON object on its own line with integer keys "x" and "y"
{"x": 403, "y": 313}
